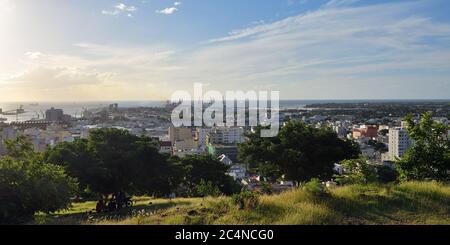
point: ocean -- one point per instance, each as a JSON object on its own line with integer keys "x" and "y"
{"x": 37, "y": 110}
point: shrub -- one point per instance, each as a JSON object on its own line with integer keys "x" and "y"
{"x": 315, "y": 187}
{"x": 357, "y": 171}
{"x": 246, "y": 200}
{"x": 205, "y": 189}
{"x": 29, "y": 185}
{"x": 386, "y": 174}
{"x": 266, "y": 188}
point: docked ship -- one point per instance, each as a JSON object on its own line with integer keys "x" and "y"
{"x": 18, "y": 111}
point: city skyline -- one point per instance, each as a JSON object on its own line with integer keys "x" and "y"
{"x": 147, "y": 49}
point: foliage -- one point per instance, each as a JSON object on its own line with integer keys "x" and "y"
{"x": 205, "y": 168}
{"x": 315, "y": 186}
{"x": 29, "y": 185}
{"x": 386, "y": 174}
{"x": 378, "y": 146}
{"x": 113, "y": 160}
{"x": 429, "y": 157}
{"x": 300, "y": 152}
{"x": 266, "y": 188}
{"x": 206, "y": 189}
{"x": 270, "y": 171}
{"x": 246, "y": 200}
{"x": 357, "y": 171}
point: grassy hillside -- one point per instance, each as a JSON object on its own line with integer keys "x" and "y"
{"x": 407, "y": 203}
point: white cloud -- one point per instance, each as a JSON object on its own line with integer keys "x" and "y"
{"x": 96, "y": 72}
{"x": 378, "y": 51}
{"x": 167, "y": 11}
{"x": 337, "y": 51}
{"x": 33, "y": 55}
{"x": 121, "y": 8}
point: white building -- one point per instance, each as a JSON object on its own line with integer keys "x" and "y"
{"x": 41, "y": 139}
{"x": 399, "y": 143}
{"x": 201, "y": 136}
{"x": 225, "y": 135}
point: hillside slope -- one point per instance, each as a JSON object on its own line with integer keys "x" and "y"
{"x": 407, "y": 203}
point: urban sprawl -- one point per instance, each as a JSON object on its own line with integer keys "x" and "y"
{"x": 377, "y": 127}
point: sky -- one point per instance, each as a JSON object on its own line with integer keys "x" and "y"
{"x": 84, "y": 50}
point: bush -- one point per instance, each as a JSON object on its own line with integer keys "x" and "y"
{"x": 357, "y": 171}
{"x": 205, "y": 189}
{"x": 266, "y": 188}
{"x": 386, "y": 174}
{"x": 315, "y": 187}
{"x": 246, "y": 200}
{"x": 29, "y": 185}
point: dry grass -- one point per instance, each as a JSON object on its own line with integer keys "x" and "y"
{"x": 407, "y": 203}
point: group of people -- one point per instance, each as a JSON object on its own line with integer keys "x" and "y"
{"x": 113, "y": 203}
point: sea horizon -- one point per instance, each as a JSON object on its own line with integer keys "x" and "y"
{"x": 36, "y": 110}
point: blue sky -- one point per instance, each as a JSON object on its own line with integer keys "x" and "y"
{"x": 146, "y": 49}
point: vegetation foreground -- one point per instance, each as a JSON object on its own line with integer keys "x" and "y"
{"x": 405, "y": 203}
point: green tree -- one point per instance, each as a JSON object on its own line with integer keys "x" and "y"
{"x": 29, "y": 185}
{"x": 357, "y": 171}
{"x": 78, "y": 160}
{"x": 386, "y": 174}
{"x": 206, "y": 189}
{"x": 204, "y": 168}
{"x": 112, "y": 161}
{"x": 299, "y": 152}
{"x": 429, "y": 156}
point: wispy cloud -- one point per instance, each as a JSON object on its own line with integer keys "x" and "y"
{"x": 340, "y": 3}
{"x": 121, "y": 8}
{"x": 33, "y": 55}
{"x": 376, "y": 51}
{"x": 169, "y": 10}
{"x": 335, "y": 51}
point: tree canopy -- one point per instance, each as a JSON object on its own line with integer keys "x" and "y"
{"x": 113, "y": 160}
{"x": 199, "y": 170}
{"x": 299, "y": 152}
{"x": 429, "y": 156}
{"x": 29, "y": 185}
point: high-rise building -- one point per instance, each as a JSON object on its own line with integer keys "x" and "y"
{"x": 399, "y": 143}
{"x": 54, "y": 115}
{"x": 225, "y": 136}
